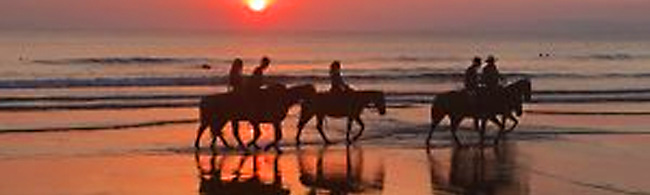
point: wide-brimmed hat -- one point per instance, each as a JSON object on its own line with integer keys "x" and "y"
{"x": 477, "y": 59}
{"x": 491, "y": 58}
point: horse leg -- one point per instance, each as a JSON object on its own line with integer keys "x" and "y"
{"x": 455, "y": 122}
{"x": 199, "y": 133}
{"x": 319, "y": 126}
{"x": 502, "y": 126}
{"x": 217, "y": 126}
{"x": 436, "y": 116}
{"x": 347, "y": 132}
{"x": 257, "y": 133}
{"x": 304, "y": 119}
{"x": 515, "y": 123}
{"x": 235, "y": 130}
{"x": 363, "y": 127}
{"x": 483, "y": 123}
{"x": 277, "y": 126}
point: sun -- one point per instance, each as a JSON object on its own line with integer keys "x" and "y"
{"x": 257, "y": 5}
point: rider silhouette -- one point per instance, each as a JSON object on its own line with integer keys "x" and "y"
{"x": 235, "y": 78}
{"x": 491, "y": 76}
{"x": 257, "y": 79}
{"x": 472, "y": 78}
{"x": 337, "y": 83}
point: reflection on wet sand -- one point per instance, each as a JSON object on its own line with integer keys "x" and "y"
{"x": 316, "y": 170}
{"x": 331, "y": 174}
{"x": 215, "y": 181}
{"x": 478, "y": 170}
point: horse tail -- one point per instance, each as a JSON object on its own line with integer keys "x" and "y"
{"x": 204, "y": 120}
{"x": 437, "y": 114}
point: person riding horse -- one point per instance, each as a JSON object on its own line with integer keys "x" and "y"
{"x": 338, "y": 85}
{"x": 491, "y": 77}
{"x": 235, "y": 77}
{"x": 472, "y": 78}
{"x": 257, "y": 79}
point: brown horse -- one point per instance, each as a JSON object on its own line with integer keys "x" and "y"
{"x": 265, "y": 106}
{"x": 460, "y": 104}
{"x": 346, "y": 104}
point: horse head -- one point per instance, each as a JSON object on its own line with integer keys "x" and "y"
{"x": 379, "y": 100}
{"x": 519, "y": 92}
{"x": 526, "y": 88}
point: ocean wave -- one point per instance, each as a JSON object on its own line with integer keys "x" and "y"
{"x": 564, "y": 112}
{"x": 102, "y": 127}
{"x": 122, "y": 60}
{"x": 611, "y": 56}
{"x": 378, "y": 75}
{"x": 394, "y": 100}
{"x": 186, "y": 60}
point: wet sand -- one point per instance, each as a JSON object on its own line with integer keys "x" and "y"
{"x": 391, "y": 159}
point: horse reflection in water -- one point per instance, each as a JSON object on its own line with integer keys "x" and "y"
{"x": 326, "y": 176}
{"x": 215, "y": 181}
{"x": 478, "y": 170}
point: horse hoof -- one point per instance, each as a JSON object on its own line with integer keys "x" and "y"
{"x": 242, "y": 148}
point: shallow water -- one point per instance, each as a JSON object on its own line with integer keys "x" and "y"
{"x": 86, "y": 113}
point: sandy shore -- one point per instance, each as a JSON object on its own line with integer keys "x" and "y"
{"x": 160, "y": 160}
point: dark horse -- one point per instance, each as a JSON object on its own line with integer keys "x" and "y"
{"x": 269, "y": 105}
{"x": 460, "y": 104}
{"x": 345, "y": 104}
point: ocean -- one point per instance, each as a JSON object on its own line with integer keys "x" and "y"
{"x": 116, "y": 113}
{"x": 82, "y": 71}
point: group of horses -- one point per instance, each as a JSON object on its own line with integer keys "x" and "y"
{"x": 271, "y": 105}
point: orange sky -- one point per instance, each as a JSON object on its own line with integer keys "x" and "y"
{"x": 331, "y": 15}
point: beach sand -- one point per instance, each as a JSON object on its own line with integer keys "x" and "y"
{"x": 536, "y": 159}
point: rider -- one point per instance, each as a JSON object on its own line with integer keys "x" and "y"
{"x": 235, "y": 78}
{"x": 491, "y": 76}
{"x": 257, "y": 79}
{"x": 337, "y": 83}
{"x": 472, "y": 78}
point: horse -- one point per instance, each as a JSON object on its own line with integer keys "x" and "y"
{"x": 524, "y": 87}
{"x": 460, "y": 104}
{"x": 338, "y": 105}
{"x": 269, "y": 105}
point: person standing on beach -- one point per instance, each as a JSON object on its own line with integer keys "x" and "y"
{"x": 491, "y": 76}
{"x": 236, "y": 78}
{"x": 472, "y": 78}
{"x": 337, "y": 84}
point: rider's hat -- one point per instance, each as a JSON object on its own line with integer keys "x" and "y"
{"x": 476, "y": 59}
{"x": 336, "y": 65}
{"x": 491, "y": 58}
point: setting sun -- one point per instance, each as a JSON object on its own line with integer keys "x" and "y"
{"x": 257, "y": 5}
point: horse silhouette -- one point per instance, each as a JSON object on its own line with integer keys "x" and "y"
{"x": 458, "y": 105}
{"x": 326, "y": 175}
{"x": 213, "y": 182}
{"x": 478, "y": 170}
{"x": 338, "y": 105}
{"x": 269, "y": 105}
